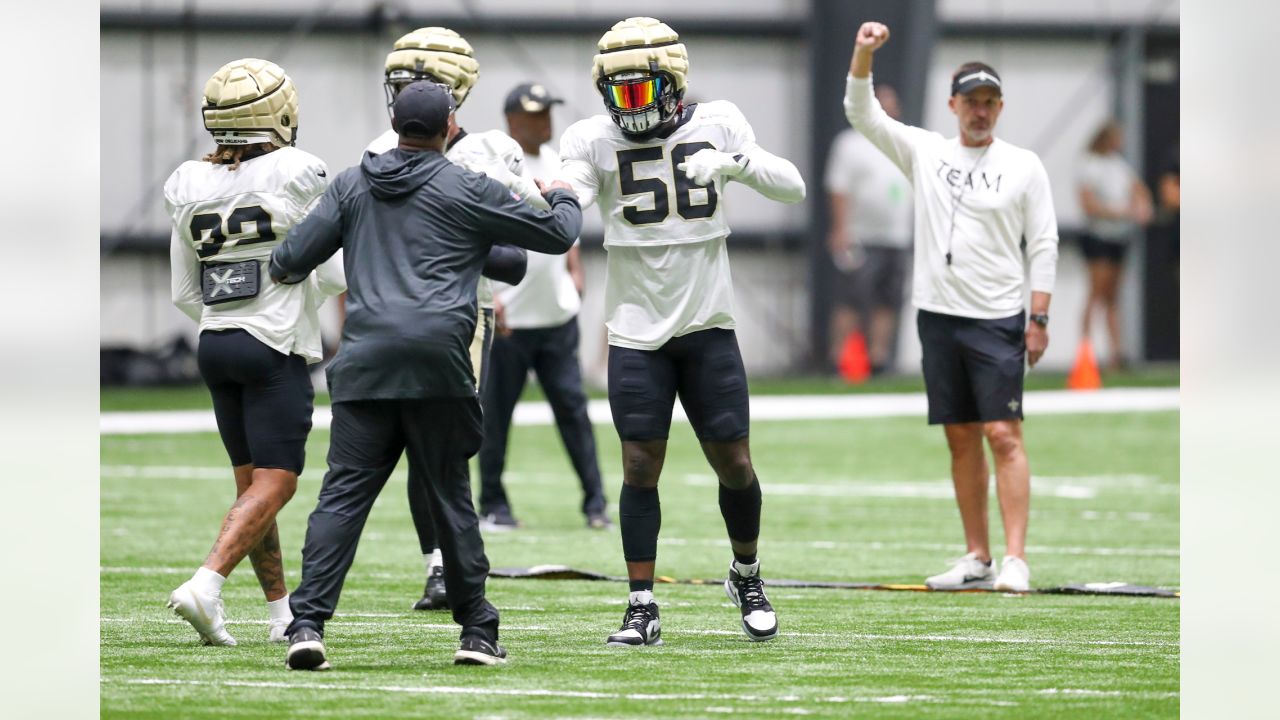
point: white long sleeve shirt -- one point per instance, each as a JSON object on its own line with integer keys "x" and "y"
{"x": 978, "y": 204}
{"x": 667, "y": 270}
{"x": 221, "y": 215}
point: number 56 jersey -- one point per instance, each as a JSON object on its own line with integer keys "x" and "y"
{"x": 667, "y": 268}
{"x": 225, "y": 219}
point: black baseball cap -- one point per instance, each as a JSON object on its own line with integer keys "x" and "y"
{"x": 974, "y": 75}
{"x": 530, "y": 98}
{"x": 422, "y": 110}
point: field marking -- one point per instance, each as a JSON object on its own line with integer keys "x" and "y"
{"x": 763, "y": 408}
{"x": 962, "y": 696}
{"x": 939, "y": 547}
{"x": 339, "y": 621}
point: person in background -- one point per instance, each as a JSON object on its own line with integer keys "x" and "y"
{"x": 538, "y": 330}
{"x": 870, "y": 238}
{"x": 1116, "y": 205}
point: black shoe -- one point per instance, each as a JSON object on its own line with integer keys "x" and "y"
{"x": 640, "y": 627}
{"x": 306, "y": 650}
{"x": 433, "y": 595}
{"x": 475, "y": 650}
{"x": 599, "y": 521}
{"x": 759, "y": 621}
{"x": 498, "y": 520}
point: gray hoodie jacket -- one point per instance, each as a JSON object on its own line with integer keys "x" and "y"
{"x": 415, "y": 230}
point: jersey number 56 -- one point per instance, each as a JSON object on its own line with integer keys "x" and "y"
{"x": 685, "y": 206}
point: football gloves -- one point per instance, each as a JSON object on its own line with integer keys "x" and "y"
{"x": 706, "y": 165}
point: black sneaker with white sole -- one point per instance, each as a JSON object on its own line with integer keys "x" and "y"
{"x": 306, "y": 650}
{"x": 475, "y": 650}
{"x": 759, "y": 621}
{"x": 640, "y": 627}
{"x": 434, "y": 596}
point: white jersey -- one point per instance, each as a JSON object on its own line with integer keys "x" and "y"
{"x": 547, "y": 296}
{"x": 879, "y": 196}
{"x": 975, "y": 204}
{"x": 225, "y": 216}
{"x": 1111, "y": 180}
{"x": 493, "y": 153}
{"x": 667, "y": 268}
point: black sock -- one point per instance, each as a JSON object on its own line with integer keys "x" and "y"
{"x": 641, "y": 585}
{"x": 640, "y": 518}
{"x": 741, "y": 511}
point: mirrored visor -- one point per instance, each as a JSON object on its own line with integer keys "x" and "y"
{"x": 633, "y": 94}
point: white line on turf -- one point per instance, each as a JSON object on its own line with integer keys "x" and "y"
{"x": 339, "y": 621}
{"x": 763, "y": 407}
{"x": 594, "y": 695}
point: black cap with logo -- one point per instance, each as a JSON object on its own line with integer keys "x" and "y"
{"x": 530, "y": 98}
{"x": 422, "y": 110}
{"x": 972, "y": 76}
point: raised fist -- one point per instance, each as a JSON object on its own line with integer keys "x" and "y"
{"x": 871, "y": 36}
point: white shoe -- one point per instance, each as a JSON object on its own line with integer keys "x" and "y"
{"x": 965, "y": 573}
{"x": 276, "y": 628}
{"x": 1014, "y": 576}
{"x": 204, "y": 612}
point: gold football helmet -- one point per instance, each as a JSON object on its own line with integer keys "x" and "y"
{"x": 251, "y": 101}
{"x": 432, "y": 53}
{"x": 641, "y": 71}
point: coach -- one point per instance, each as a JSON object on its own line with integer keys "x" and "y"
{"x": 977, "y": 199}
{"x": 415, "y": 231}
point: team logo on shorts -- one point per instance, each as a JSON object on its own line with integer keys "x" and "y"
{"x": 1014, "y": 405}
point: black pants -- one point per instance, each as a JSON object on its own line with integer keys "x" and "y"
{"x": 366, "y": 440}
{"x": 552, "y": 354}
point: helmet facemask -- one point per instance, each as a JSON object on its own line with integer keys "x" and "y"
{"x": 400, "y": 79}
{"x": 641, "y": 103}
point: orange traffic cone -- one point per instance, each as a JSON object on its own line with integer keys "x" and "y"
{"x": 1084, "y": 374}
{"x": 855, "y": 364}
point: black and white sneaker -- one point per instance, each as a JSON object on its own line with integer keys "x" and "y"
{"x": 475, "y": 650}
{"x": 306, "y": 650}
{"x": 640, "y": 624}
{"x": 746, "y": 590}
{"x": 433, "y": 595}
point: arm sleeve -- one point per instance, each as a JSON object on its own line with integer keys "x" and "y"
{"x": 864, "y": 113}
{"x": 506, "y": 264}
{"x": 770, "y": 175}
{"x": 185, "y": 276}
{"x": 577, "y": 169}
{"x": 503, "y": 215}
{"x": 310, "y": 242}
{"x": 331, "y": 277}
{"x": 1040, "y": 228}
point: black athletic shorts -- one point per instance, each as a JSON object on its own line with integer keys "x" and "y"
{"x": 262, "y": 399}
{"x": 1095, "y": 248}
{"x": 878, "y": 282}
{"x": 704, "y": 368}
{"x": 973, "y": 369}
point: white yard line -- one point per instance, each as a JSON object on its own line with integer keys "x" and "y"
{"x": 763, "y": 407}
{"x": 593, "y": 695}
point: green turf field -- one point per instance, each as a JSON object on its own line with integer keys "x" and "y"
{"x": 858, "y": 500}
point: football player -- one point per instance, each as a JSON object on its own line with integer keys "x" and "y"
{"x": 230, "y": 209}
{"x": 658, "y": 168}
{"x": 441, "y": 55}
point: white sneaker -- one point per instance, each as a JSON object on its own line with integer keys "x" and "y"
{"x": 276, "y": 628}
{"x": 1014, "y": 576}
{"x": 204, "y": 612}
{"x": 965, "y": 573}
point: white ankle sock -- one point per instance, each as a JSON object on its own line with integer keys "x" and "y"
{"x": 641, "y": 597}
{"x": 208, "y": 581}
{"x": 435, "y": 559}
{"x": 747, "y": 570}
{"x": 279, "y": 609}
